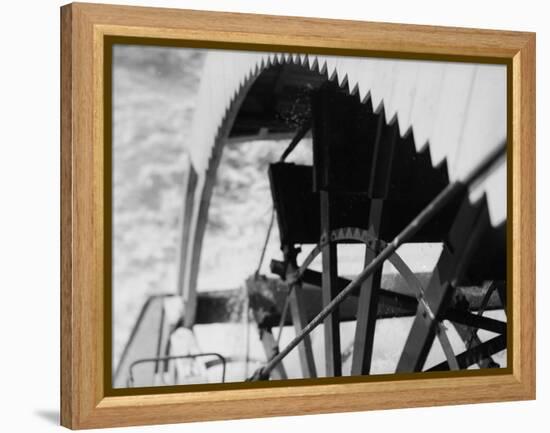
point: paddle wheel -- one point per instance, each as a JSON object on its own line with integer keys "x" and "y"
{"x": 366, "y": 183}
{"x": 372, "y": 182}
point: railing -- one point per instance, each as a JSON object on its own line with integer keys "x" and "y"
{"x": 173, "y": 358}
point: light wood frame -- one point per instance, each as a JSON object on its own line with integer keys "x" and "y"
{"x": 84, "y": 403}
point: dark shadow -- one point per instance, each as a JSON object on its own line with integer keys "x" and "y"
{"x": 50, "y": 415}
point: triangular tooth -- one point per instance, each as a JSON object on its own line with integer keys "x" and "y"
{"x": 342, "y": 78}
{"x": 312, "y": 62}
{"x": 365, "y": 96}
{"x": 323, "y": 68}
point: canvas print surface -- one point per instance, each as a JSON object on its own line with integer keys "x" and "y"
{"x": 249, "y": 189}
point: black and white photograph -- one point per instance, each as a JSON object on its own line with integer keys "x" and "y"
{"x": 286, "y": 216}
{"x": 275, "y": 216}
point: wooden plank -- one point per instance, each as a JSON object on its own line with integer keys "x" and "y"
{"x": 326, "y": 135}
{"x": 269, "y": 344}
{"x": 396, "y": 298}
{"x": 476, "y": 321}
{"x": 333, "y": 362}
{"x": 387, "y": 137}
{"x": 381, "y": 173}
{"x": 367, "y": 305}
{"x": 300, "y": 320}
{"x": 297, "y": 304}
{"x": 476, "y": 354}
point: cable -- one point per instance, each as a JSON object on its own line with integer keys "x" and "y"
{"x": 268, "y": 235}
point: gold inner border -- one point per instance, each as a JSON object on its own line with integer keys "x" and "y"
{"x": 109, "y": 41}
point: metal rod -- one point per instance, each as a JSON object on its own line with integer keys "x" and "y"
{"x": 442, "y": 199}
{"x": 284, "y": 314}
{"x": 266, "y": 242}
{"x": 246, "y": 313}
{"x": 172, "y": 358}
{"x": 300, "y": 133}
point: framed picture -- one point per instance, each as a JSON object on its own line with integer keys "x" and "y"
{"x": 267, "y": 216}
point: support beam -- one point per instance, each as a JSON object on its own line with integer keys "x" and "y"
{"x": 271, "y": 349}
{"x": 297, "y": 303}
{"x": 464, "y": 236}
{"x": 189, "y": 184}
{"x": 340, "y": 127}
{"x": 330, "y": 289}
{"x": 475, "y": 321}
{"x": 393, "y": 302}
{"x": 367, "y": 305}
{"x": 476, "y": 354}
{"x": 381, "y": 172}
{"x": 299, "y": 320}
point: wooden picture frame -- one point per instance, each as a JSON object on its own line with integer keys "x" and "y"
{"x": 85, "y": 28}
